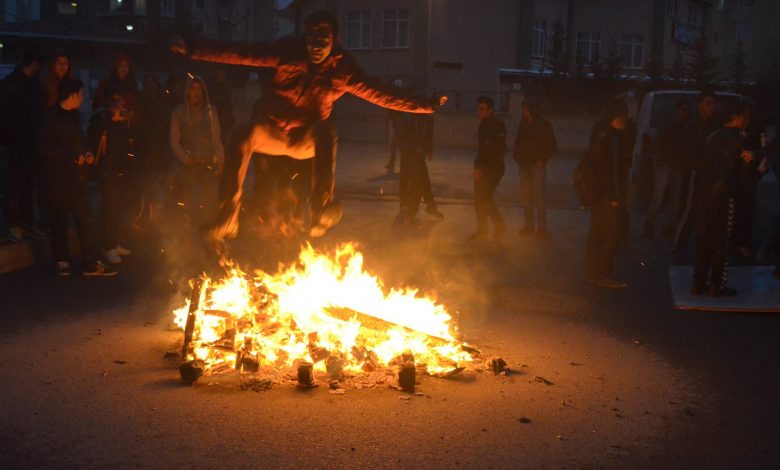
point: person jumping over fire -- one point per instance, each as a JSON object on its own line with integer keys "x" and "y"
{"x": 310, "y": 74}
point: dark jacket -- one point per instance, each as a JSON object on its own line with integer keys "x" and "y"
{"x": 113, "y": 143}
{"x": 60, "y": 144}
{"x": 20, "y": 109}
{"x": 127, "y": 87}
{"x": 612, "y": 160}
{"x": 300, "y": 92}
{"x": 720, "y": 173}
{"x": 694, "y": 139}
{"x": 669, "y": 145}
{"x": 535, "y": 142}
{"x": 491, "y": 146}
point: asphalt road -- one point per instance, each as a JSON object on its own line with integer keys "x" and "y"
{"x": 634, "y": 384}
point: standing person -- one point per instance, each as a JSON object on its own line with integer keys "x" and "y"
{"x": 611, "y": 160}
{"x": 668, "y": 172}
{"x": 62, "y": 150}
{"x": 59, "y": 68}
{"x": 755, "y": 140}
{"x": 153, "y": 147}
{"x": 488, "y": 170}
{"x": 120, "y": 77}
{"x": 719, "y": 180}
{"x": 20, "y": 120}
{"x": 415, "y": 137}
{"x": 310, "y": 74}
{"x": 197, "y": 145}
{"x": 694, "y": 138}
{"x": 392, "y": 140}
{"x": 535, "y": 144}
{"x": 112, "y": 138}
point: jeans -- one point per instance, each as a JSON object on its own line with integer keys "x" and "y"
{"x": 414, "y": 183}
{"x": 532, "y": 184}
{"x": 604, "y": 237}
{"x": 484, "y": 205}
{"x": 668, "y": 187}
{"x": 75, "y": 201}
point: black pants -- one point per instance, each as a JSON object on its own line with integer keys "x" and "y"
{"x": 714, "y": 223}
{"x": 484, "y": 205}
{"x": 414, "y": 183}
{"x": 745, "y": 208}
{"x": 20, "y": 188}
{"x": 604, "y": 237}
{"x": 75, "y": 201}
{"x": 119, "y": 201}
{"x": 282, "y": 186}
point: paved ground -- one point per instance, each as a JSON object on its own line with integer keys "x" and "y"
{"x": 635, "y": 384}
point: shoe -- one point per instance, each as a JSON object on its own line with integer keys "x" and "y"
{"x": 610, "y": 283}
{"x": 122, "y": 251}
{"x": 432, "y": 210}
{"x": 15, "y": 234}
{"x": 97, "y": 268}
{"x": 745, "y": 252}
{"x": 330, "y": 216}
{"x": 721, "y": 292}
{"x": 526, "y": 231}
{"x": 698, "y": 288}
{"x": 113, "y": 257}
{"x": 34, "y": 232}
{"x": 62, "y": 268}
{"x": 544, "y": 234}
{"x": 498, "y": 231}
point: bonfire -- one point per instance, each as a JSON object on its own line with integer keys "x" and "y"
{"x": 323, "y": 314}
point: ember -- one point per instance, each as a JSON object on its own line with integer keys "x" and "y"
{"x": 322, "y": 314}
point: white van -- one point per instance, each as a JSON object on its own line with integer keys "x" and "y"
{"x": 655, "y": 112}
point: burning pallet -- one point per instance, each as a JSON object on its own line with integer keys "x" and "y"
{"x": 249, "y": 324}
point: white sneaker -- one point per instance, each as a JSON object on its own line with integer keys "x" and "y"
{"x": 113, "y": 257}
{"x": 122, "y": 251}
{"x": 15, "y": 234}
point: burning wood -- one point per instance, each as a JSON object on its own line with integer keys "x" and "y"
{"x": 322, "y": 314}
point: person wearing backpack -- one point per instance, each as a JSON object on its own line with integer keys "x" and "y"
{"x": 610, "y": 158}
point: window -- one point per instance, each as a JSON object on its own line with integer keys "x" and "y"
{"x": 631, "y": 50}
{"x": 742, "y": 32}
{"x": 67, "y": 8}
{"x": 588, "y": 48}
{"x": 671, "y": 8}
{"x": 128, "y": 7}
{"x": 539, "y": 37}
{"x": 395, "y": 29}
{"x": 22, "y": 10}
{"x": 692, "y": 11}
{"x": 167, "y": 8}
{"x": 359, "y": 29}
{"x": 744, "y": 4}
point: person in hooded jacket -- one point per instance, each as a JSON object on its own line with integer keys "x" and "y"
{"x": 197, "y": 145}
{"x": 309, "y": 74}
{"x": 122, "y": 78}
{"x": 112, "y": 138}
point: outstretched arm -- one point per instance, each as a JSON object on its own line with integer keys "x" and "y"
{"x": 253, "y": 55}
{"x": 377, "y": 92}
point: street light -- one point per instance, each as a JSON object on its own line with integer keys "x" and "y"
{"x": 129, "y": 27}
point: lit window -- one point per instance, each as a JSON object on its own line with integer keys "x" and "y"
{"x": 359, "y": 29}
{"x": 539, "y": 37}
{"x": 395, "y": 29}
{"x": 631, "y": 49}
{"x": 67, "y": 8}
{"x": 588, "y": 48}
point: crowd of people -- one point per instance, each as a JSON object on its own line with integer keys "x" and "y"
{"x": 140, "y": 147}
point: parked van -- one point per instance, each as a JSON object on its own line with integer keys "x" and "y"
{"x": 656, "y": 112}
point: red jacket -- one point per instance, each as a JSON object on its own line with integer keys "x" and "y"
{"x": 301, "y": 92}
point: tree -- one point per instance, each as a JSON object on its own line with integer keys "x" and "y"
{"x": 558, "y": 56}
{"x": 740, "y": 67}
{"x": 701, "y": 67}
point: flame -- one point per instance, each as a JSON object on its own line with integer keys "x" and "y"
{"x": 323, "y": 309}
